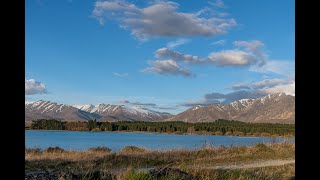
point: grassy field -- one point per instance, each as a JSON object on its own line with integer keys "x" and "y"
{"x": 262, "y": 161}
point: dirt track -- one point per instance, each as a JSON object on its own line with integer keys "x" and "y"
{"x": 257, "y": 164}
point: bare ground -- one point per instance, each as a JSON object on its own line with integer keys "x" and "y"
{"x": 256, "y": 164}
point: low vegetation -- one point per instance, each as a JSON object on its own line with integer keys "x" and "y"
{"x": 219, "y": 127}
{"x": 138, "y": 163}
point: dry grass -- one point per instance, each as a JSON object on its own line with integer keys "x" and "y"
{"x": 64, "y": 155}
{"x": 133, "y": 150}
{"x": 123, "y": 164}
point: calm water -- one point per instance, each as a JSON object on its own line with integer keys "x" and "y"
{"x": 118, "y": 140}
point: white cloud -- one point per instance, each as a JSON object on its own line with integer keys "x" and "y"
{"x": 120, "y": 74}
{"x": 34, "y": 87}
{"x": 178, "y": 42}
{"x": 176, "y": 56}
{"x": 288, "y": 89}
{"x": 285, "y": 68}
{"x": 255, "y": 47}
{"x": 223, "y": 58}
{"x": 218, "y": 3}
{"x": 232, "y": 58}
{"x": 247, "y": 90}
{"x": 268, "y": 86}
{"x": 220, "y": 42}
{"x": 161, "y": 19}
{"x": 167, "y": 67}
{"x": 267, "y": 83}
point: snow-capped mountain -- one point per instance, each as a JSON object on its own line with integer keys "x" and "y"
{"x": 48, "y": 110}
{"x": 103, "y": 112}
{"x": 122, "y": 112}
{"x": 273, "y": 108}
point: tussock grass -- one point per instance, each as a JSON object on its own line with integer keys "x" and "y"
{"x": 55, "y": 149}
{"x": 133, "y": 162}
{"x": 100, "y": 149}
{"x": 132, "y": 149}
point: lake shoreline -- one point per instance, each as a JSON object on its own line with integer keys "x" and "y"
{"x": 147, "y": 132}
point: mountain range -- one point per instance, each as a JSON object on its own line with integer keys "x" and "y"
{"x": 273, "y": 108}
{"x": 103, "y": 112}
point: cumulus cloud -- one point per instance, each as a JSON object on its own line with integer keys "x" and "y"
{"x": 178, "y": 42}
{"x": 34, "y": 87}
{"x": 247, "y": 53}
{"x": 176, "y": 56}
{"x": 255, "y": 47}
{"x": 232, "y": 58}
{"x": 167, "y": 67}
{"x": 223, "y": 58}
{"x": 267, "y": 83}
{"x": 286, "y": 88}
{"x": 160, "y": 19}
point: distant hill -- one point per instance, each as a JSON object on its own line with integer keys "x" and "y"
{"x": 273, "y": 108}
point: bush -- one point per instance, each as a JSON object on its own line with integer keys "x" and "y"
{"x": 265, "y": 134}
{"x": 96, "y": 130}
{"x": 261, "y": 146}
{"x": 33, "y": 150}
{"x": 238, "y": 133}
{"x": 132, "y": 149}
{"x": 218, "y": 133}
{"x": 100, "y": 149}
{"x": 55, "y": 149}
{"x": 257, "y": 134}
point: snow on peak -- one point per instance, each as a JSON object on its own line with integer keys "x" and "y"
{"x": 86, "y": 107}
{"x": 196, "y": 107}
{"x": 28, "y": 102}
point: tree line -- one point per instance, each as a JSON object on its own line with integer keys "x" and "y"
{"x": 218, "y": 127}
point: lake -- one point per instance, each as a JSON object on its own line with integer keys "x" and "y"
{"x": 71, "y": 140}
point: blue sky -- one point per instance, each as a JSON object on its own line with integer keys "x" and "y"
{"x": 173, "y": 54}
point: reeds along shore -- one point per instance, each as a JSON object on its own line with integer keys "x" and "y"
{"x": 138, "y": 163}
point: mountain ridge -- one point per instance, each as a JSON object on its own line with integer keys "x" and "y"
{"x": 103, "y": 112}
{"x": 272, "y": 108}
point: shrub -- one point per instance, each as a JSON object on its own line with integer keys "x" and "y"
{"x": 100, "y": 149}
{"x": 265, "y": 134}
{"x": 33, "y": 150}
{"x": 96, "y": 130}
{"x": 238, "y": 133}
{"x": 261, "y": 146}
{"x": 257, "y": 134}
{"x": 132, "y": 149}
{"x": 55, "y": 149}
